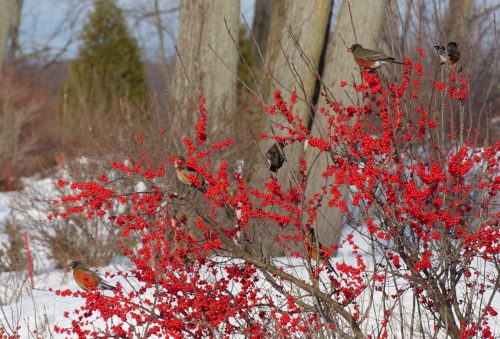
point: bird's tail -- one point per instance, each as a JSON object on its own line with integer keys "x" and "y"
{"x": 106, "y": 286}
{"x": 330, "y": 266}
{"x": 397, "y": 62}
{"x": 202, "y": 189}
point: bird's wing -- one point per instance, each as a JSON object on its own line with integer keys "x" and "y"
{"x": 190, "y": 170}
{"x": 370, "y": 55}
{"x": 99, "y": 281}
{"x": 105, "y": 286}
{"x": 454, "y": 53}
{"x": 93, "y": 276}
{"x": 271, "y": 154}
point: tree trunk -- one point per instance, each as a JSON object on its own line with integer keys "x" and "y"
{"x": 297, "y": 39}
{"x": 457, "y": 21}
{"x": 13, "y": 46}
{"x": 366, "y": 28}
{"x": 206, "y": 63}
{"x": 260, "y": 28}
{"x": 7, "y": 13}
{"x": 161, "y": 41}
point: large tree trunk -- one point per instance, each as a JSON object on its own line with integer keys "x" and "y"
{"x": 207, "y": 63}
{"x": 296, "y": 41}
{"x": 13, "y": 46}
{"x": 7, "y": 13}
{"x": 295, "y": 45}
{"x": 260, "y": 28}
{"x": 366, "y": 28}
{"x": 457, "y": 21}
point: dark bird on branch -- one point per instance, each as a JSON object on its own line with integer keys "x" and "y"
{"x": 275, "y": 156}
{"x": 449, "y": 54}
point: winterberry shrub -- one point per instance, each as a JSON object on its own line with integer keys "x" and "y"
{"x": 424, "y": 197}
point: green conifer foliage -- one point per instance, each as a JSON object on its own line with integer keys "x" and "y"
{"x": 108, "y": 67}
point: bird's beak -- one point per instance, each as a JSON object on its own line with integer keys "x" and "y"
{"x": 67, "y": 266}
{"x": 349, "y": 50}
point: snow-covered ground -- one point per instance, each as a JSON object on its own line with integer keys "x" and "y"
{"x": 40, "y": 309}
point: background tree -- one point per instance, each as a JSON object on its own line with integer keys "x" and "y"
{"x": 108, "y": 66}
{"x": 295, "y": 27}
{"x": 13, "y": 43}
{"x": 7, "y": 12}
{"x": 358, "y": 22}
{"x": 299, "y": 52}
{"x": 294, "y": 50}
{"x": 457, "y": 21}
{"x": 261, "y": 26}
{"x": 207, "y": 62}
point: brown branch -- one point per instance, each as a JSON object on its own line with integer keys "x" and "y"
{"x": 267, "y": 267}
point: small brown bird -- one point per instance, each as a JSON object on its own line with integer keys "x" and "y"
{"x": 87, "y": 279}
{"x": 315, "y": 249}
{"x": 184, "y": 174}
{"x": 449, "y": 55}
{"x": 275, "y": 156}
{"x": 368, "y": 59}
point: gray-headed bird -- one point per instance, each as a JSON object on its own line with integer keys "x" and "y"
{"x": 87, "y": 279}
{"x": 369, "y": 59}
{"x": 449, "y": 54}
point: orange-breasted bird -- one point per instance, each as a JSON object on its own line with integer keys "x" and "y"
{"x": 369, "y": 59}
{"x": 449, "y": 54}
{"x": 184, "y": 174}
{"x": 315, "y": 249}
{"x": 275, "y": 156}
{"x": 87, "y": 279}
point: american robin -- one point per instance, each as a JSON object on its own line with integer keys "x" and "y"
{"x": 184, "y": 174}
{"x": 315, "y": 249}
{"x": 275, "y": 156}
{"x": 368, "y": 59}
{"x": 449, "y": 55}
{"x": 87, "y": 279}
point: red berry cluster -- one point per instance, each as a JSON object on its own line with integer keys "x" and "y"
{"x": 426, "y": 203}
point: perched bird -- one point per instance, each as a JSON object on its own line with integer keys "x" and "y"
{"x": 184, "y": 174}
{"x": 275, "y": 156}
{"x": 314, "y": 249}
{"x": 87, "y": 279}
{"x": 449, "y": 55}
{"x": 368, "y": 59}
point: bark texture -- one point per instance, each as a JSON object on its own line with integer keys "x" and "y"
{"x": 296, "y": 42}
{"x": 207, "y": 63}
{"x": 360, "y": 21}
{"x": 7, "y": 14}
{"x": 457, "y": 21}
{"x": 261, "y": 26}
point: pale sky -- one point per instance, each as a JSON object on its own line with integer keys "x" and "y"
{"x": 52, "y": 23}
